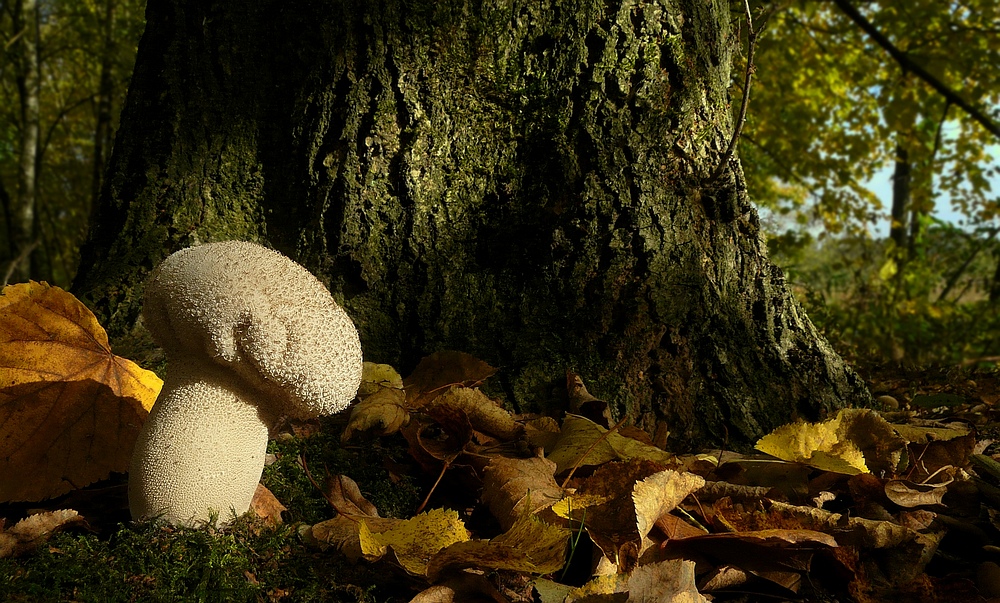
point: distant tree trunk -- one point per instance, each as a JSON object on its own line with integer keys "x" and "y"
{"x": 522, "y": 180}
{"x": 105, "y": 92}
{"x": 899, "y": 230}
{"x": 22, "y": 218}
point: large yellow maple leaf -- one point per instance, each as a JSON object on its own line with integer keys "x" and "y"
{"x": 70, "y": 410}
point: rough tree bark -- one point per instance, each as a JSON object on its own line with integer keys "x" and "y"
{"x": 521, "y": 180}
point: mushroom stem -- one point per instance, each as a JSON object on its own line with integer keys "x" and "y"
{"x": 199, "y": 477}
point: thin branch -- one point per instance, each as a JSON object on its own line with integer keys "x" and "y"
{"x": 909, "y": 65}
{"x": 742, "y": 118}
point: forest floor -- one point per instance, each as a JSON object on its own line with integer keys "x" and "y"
{"x": 434, "y": 493}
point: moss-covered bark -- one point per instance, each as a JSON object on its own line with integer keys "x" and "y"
{"x": 522, "y": 180}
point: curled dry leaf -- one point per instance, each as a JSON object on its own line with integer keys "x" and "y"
{"x": 70, "y": 410}
{"x": 513, "y": 488}
{"x": 484, "y": 414}
{"x": 27, "y": 534}
{"x": 345, "y": 496}
{"x": 907, "y": 494}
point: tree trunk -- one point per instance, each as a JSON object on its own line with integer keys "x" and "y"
{"x": 524, "y": 181}
{"x": 105, "y": 94}
{"x": 900, "y": 211}
{"x": 22, "y": 223}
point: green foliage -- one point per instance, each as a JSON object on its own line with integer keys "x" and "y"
{"x": 876, "y": 303}
{"x": 830, "y": 108}
{"x": 75, "y": 40}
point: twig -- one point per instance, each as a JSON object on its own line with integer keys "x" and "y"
{"x": 741, "y": 119}
{"x": 427, "y": 498}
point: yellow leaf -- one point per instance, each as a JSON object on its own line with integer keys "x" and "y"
{"x": 70, "y": 410}
{"x": 817, "y": 444}
{"x": 530, "y": 546}
{"x": 382, "y": 412}
{"x": 414, "y": 540}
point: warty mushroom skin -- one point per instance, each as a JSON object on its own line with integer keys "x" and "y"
{"x": 250, "y": 337}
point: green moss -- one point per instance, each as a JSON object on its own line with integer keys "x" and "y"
{"x": 245, "y": 561}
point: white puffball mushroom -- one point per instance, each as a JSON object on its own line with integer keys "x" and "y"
{"x": 250, "y": 337}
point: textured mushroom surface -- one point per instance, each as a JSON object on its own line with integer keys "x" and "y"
{"x": 250, "y": 337}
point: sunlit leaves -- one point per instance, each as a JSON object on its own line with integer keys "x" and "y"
{"x": 70, "y": 410}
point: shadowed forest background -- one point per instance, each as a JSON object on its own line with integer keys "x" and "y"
{"x": 859, "y": 126}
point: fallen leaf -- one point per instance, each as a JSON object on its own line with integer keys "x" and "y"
{"x": 382, "y": 413}
{"x": 345, "y": 496}
{"x": 376, "y": 377}
{"x": 660, "y": 494}
{"x": 908, "y": 494}
{"x": 267, "y": 506}
{"x": 583, "y": 442}
{"x": 414, "y": 540}
{"x": 530, "y": 546}
{"x": 672, "y": 580}
{"x": 583, "y": 403}
{"x": 484, "y": 414}
{"x": 29, "y": 533}
{"x": 434, "y": 373}
{"x": 70, "y": 410}
{"x": 514, "y": 488}
{"x": 855, "y": 441}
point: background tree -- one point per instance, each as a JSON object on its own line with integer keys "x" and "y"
{"x": 844, "y": 90}
{"x": 63, "y": 71}
{"x": 525, "y": 181}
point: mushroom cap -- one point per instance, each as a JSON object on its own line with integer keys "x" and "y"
{"x": 269, "y": 320}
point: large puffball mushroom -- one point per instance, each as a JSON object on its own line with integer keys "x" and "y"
{"x": 251, "y": 337}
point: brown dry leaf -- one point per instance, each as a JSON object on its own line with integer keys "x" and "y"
{"x": 907, "y": 494}
{"x": 442, "y": 439}
{"x": 612, "y": 525}
{"x": 777, "y": 551}
{"x": 27, "y": 534}
{"x": 70, "y": 410}
{"x": 514, "y": 488}
{"x": 342, "y": 533}
{"x": 583, "y": 403}
{"x": 267, "y": 506}
{"x": 672, "y": 580}
{"x": 903, "y": 552}
{"x": 436, "y": 372}
{"x": 578, "y": 436}
{"x": 462, "y": 588}
{"x": 529, "y": 546}
{"x": 345, "y": 496}
{"x": 383, "y": 413}
{"x": 484, "y": 414}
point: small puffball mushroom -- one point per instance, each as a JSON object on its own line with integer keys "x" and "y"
{"x": 250, "y": 337}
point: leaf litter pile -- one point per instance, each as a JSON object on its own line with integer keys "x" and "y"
{"x": 866, "y": 506}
